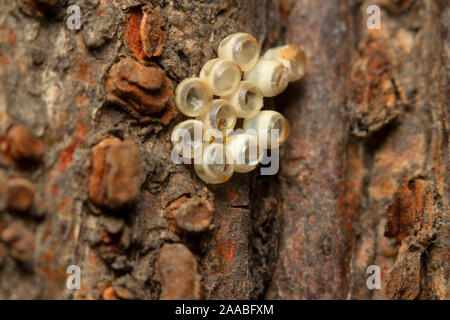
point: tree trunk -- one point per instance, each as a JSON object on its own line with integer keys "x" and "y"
{"x": 87, "y": 177}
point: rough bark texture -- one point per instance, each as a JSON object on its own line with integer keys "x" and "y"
{"x": 85, "y": 123}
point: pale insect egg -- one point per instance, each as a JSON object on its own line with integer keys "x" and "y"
{"x": 241, "y": 48}
{"x": 245, "y": 150}
{"x": 187, "y": 138}
{"x": 223, "y": 76}
{"x": 193, "y": 97}
{"x": 271, "y": 128}
{"x": 217, "y": 164}
{"x": 221, "y": 116}
{"x": 247, "y": 100}
{"x": 270, "y": 75}
{"x": 292, "y": 57}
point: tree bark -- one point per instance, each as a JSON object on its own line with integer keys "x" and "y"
{"x": 87, "y": 177}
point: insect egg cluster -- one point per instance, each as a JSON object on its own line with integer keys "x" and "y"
{"x": 229, "y": 87}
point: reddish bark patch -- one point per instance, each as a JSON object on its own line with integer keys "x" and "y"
{"x": 145, "y": 34}
{"x": 285, "y": 7}
{"x": 101, "y": 10}
{"x": 66, "y": 155}
{"x": 405, "y": 211}
{"x": 4, "y": 59}
{"x": 227, "y": 250}
{"x": 82, "y": 100}
{"x": 12, "y": 38}
{"x": 83, "y": 72}
{"x": 132, "y": 33}
{"x": 109, "y": 294}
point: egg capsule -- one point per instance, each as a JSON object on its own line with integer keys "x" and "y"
{"x": 217, "y": 164}
{"x": 245, "y": 150}
{"x": 222, "y": 76}
{"x": 187, "y": 138}
{"x": 247, "y": 100}
{"x": 240, "y": 47}
{"x": 221, "y": 116}
{"x": 292, "y": 57}
{"x": 270, "y": 75}
{"x": 271, "y": 128}
{"x": 193, "y": 97}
